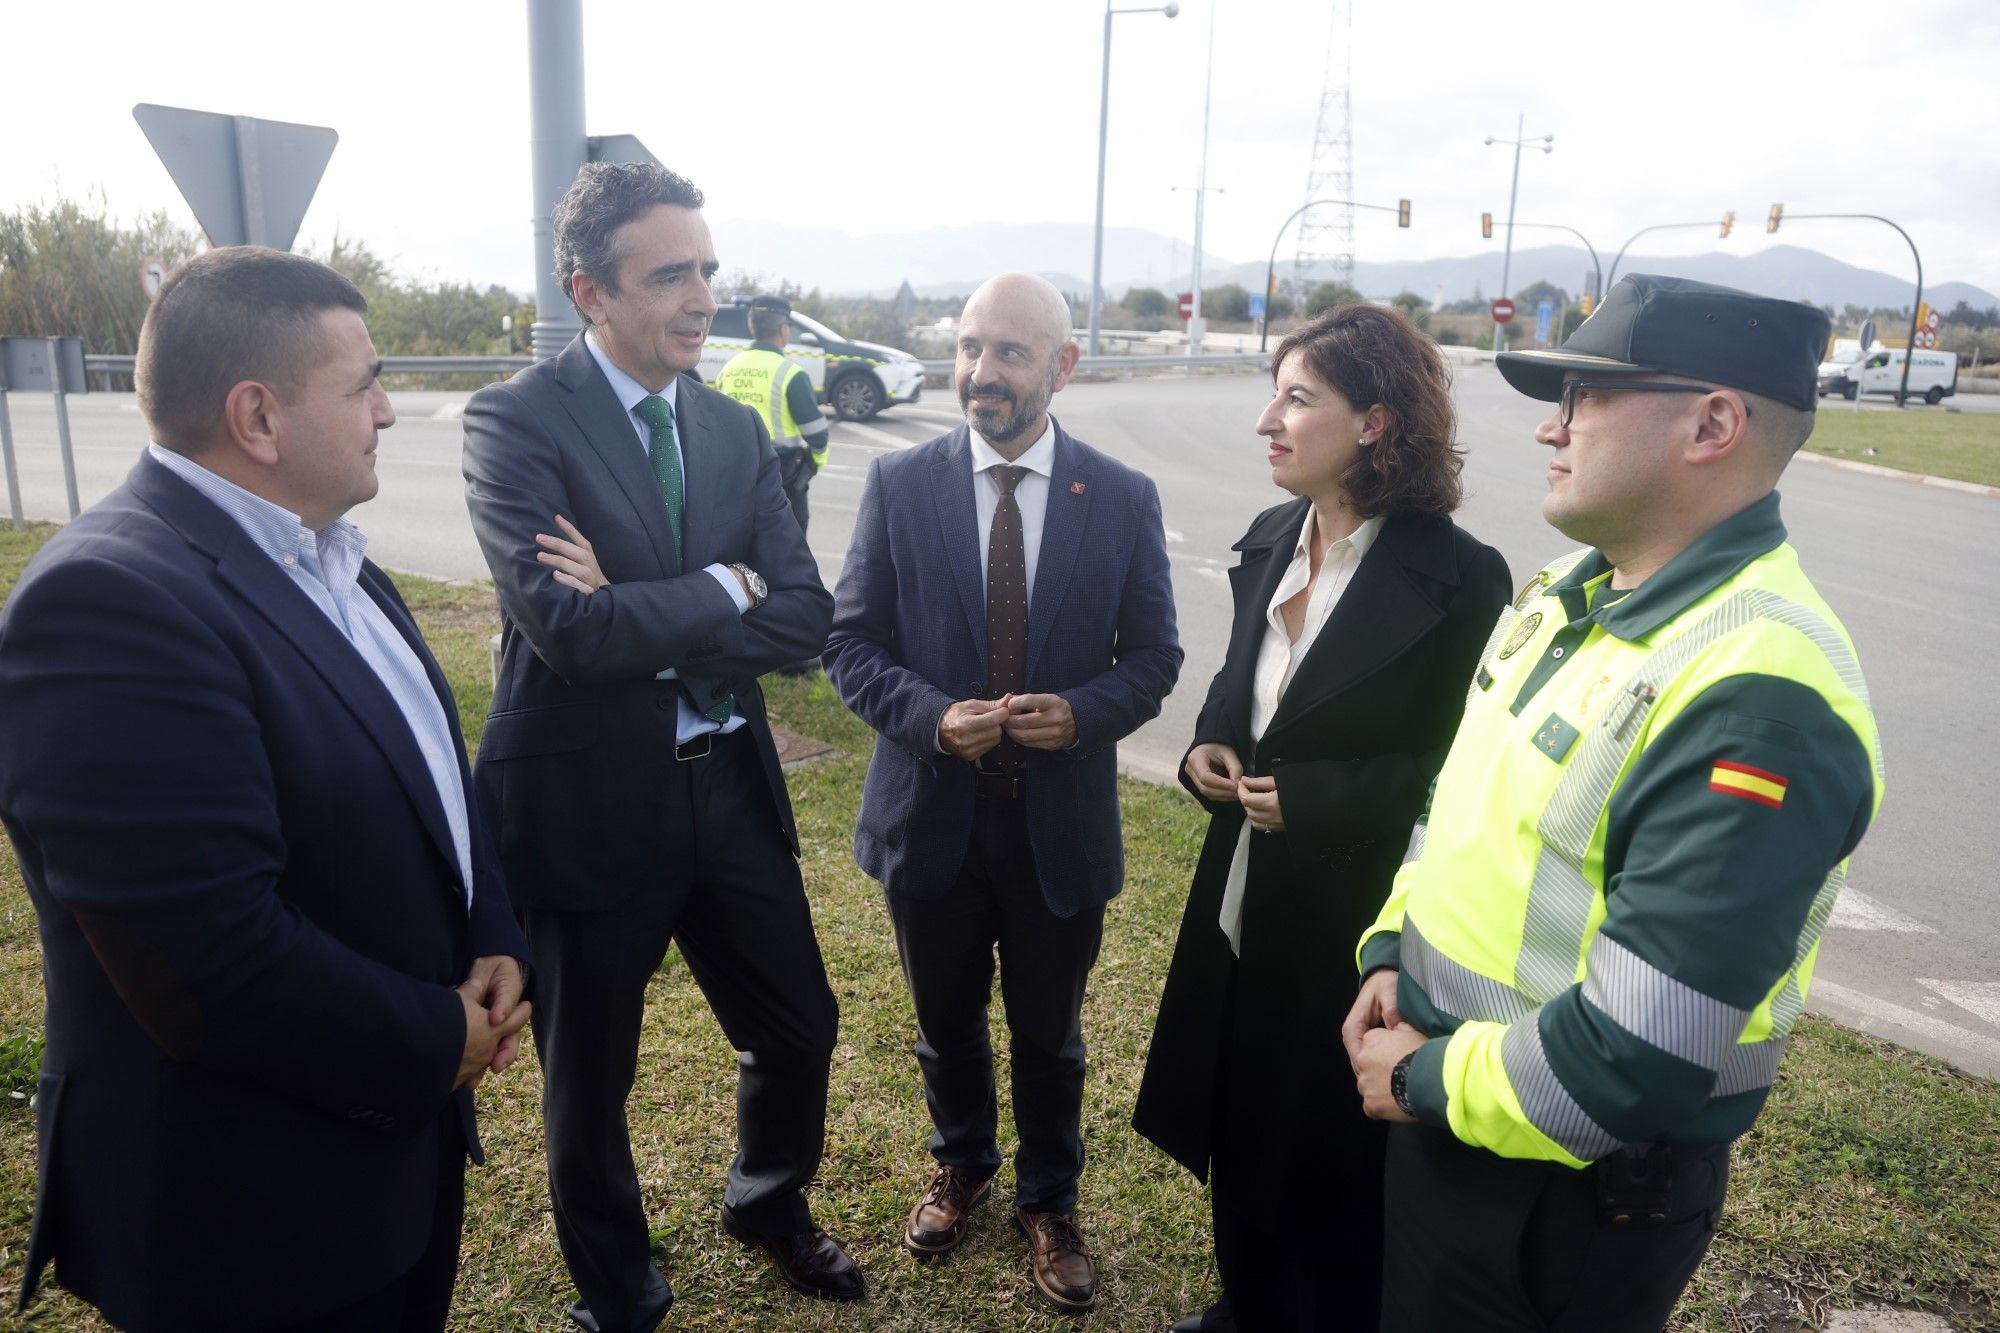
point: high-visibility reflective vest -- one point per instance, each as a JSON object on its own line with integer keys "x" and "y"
{"x": 758, "y": 378}
{"x": 1499, "y": 914}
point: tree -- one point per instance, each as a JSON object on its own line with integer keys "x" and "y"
{"x": 1415, "y": 307}
{"x": 70, "y": 269}
{"x": 1147, "y": 302}
{"x": 1328, "y": 295}
{"x": 1229, "y": 302}
{"x": 1537, "y": 292}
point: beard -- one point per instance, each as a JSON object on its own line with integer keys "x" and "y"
{"x": 1006, "y": 424}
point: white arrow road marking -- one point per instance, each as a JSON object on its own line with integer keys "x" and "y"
{"x": 1975, "y": 997}
{"x": 1173, "y": 536}
{"x": 1857, "y": 911}
{"x": 933, "y": 413}
{"x": 449, "y": 412}
{"x": 882, "y": 438}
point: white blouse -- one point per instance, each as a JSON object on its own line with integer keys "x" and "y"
{"x": 1278, "y": 659}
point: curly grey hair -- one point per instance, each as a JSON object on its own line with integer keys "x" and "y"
{"x": 604, "y": 197}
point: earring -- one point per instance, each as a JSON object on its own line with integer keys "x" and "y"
{"x": 1364, "y": 442}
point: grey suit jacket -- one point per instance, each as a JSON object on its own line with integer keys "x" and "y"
{"x": 578, "y": 717}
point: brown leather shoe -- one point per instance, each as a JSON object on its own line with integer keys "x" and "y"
{"x": 809, "y": 1261}
{"x": 942, "y": 1217}
{"x": 1061, "y": 1265}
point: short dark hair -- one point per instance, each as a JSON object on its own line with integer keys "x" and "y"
{"x": 1369, "y": 355}
{"x": 241, "y": 312}
{"x": 765, "y": 322}
{"x": 604, "y": 197}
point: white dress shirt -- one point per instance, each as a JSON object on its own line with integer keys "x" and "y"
{"x": 689, "y": 722}
{"x": 1278, "y": 659}
{"x": 326, "y": 565}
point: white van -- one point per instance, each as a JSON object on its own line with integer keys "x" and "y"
{"x": 1933, "y": 375}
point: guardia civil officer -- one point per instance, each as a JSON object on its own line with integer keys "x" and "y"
{"x": 1576, "y": 996}
{"x": 781, "y": 393}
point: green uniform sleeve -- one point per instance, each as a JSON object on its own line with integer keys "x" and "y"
{"x": 805, "y": 411}
{"x": 1719, "y": 840}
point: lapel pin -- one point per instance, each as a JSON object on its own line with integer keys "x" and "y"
{"x": 1076, "y": 488}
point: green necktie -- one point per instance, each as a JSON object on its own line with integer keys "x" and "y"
{"x": 664, "y": 452}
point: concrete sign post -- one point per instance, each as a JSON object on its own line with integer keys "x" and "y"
{"x": 54, "y": 364}
{"x": 248, "y": 181}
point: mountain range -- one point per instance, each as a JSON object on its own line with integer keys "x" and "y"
{"x": 951, "y": 261}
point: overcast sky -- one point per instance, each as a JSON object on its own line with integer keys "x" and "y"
{"x": 908, "y": 114}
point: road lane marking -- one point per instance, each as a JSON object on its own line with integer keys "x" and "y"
{"x": 1857, "y": 911}
{"x": 1882, "y": 1011}
{"x": 882, "y": 438}
{"x": 1975, "y": 997}
{"x": 449, "y": 412}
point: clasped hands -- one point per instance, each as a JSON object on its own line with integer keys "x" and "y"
{"x": 495, "y": 1013}
{"x": 1377, "y": 1038}
{"x": 1217, "y": 773}
{"x": 971, "y": 727}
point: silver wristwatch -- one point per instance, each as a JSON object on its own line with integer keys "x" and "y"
{"x": 760, "y": 591}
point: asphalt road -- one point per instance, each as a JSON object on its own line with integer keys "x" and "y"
{"x": 1913, "y": 953}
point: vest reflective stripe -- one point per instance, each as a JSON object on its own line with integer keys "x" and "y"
{"x": 1455, "y": 989}
{"x": 758, "y": 379}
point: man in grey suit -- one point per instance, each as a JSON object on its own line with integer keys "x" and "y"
{"x": 649, "y": 570}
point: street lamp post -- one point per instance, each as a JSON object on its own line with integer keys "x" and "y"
{"x": 1595, "y": 266}
{"x": 1910, "y": 348}
{"x": 1661, "y": 226}
{"x": 1547, "y": 145}
{"x": 1103, "y": 134}
{"x": 1401, "y": 210}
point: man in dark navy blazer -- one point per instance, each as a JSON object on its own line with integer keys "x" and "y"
{"x": 649, "y": 570}
{"x": 277, "y": 949}
{"x": 1005, "y": 617}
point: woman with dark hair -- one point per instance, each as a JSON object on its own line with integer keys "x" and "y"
{"x": 1361, "y": 610}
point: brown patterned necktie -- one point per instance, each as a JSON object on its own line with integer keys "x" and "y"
{"x": 1006, "y": 608}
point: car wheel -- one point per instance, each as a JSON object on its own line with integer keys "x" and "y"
{"x": 857, "y": 396}
{"x": 1934, "y": 395}
{"x": 1850, "y": 392}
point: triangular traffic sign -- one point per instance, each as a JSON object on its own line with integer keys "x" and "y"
{"x": 248, "y": 181}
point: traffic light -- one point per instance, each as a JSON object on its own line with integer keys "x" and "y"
{"x": 1728, "y": 221}
{"x": 1402, "y": 212}
{"x": 1777, "y": 216}
{"x": 1585, "y": 305}
{"x": 1486, "y": 226}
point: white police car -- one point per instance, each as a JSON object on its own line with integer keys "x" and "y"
{"x": 858, "y": 379}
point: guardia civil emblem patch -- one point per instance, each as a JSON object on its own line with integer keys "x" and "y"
{"x": 1522, "y": 633}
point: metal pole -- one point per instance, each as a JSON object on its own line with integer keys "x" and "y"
{"x": 250, "y": 181}
{"x": 7, "y": 455}
{"x": 1097, "y": 233}
{"x": 1201, "y": 184}
{"x": 1507, "y": 256}
{"x": 62, "y": 423}
{"x": 1271, "y": 266}
{"x": 557, "y": 148}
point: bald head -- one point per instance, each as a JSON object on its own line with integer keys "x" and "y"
{"x": 1015, "y": 353}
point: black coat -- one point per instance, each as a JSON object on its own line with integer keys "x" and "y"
{"x": 1358, "y": 737}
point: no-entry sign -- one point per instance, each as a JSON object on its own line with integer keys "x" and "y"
{"x": 1187, "y": 305}
{"x": 1503, "y": 310}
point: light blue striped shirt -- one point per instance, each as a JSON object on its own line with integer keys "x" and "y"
{"x": 326, "y": 565}
{"x": 688, "y": 721}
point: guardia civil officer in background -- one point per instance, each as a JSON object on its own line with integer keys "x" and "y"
{"x": 1667, "y": 757}
{"x": 781, "y": 393}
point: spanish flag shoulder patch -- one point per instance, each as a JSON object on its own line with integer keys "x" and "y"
{"x": 1752, "y": 784}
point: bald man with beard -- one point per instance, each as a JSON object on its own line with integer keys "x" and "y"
{"x": 1004, "y": 618}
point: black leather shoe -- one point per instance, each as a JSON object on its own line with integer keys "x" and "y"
{"x": 810, "y": 1261}
{"x": 659, "y": 1299}
{"x": 1217, "y": 1318}
{"x": 1187, "y": 1323}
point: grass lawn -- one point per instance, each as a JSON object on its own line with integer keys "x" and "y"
{"x": 1871, "y": 1176}
{"x": 1919, "y": 438}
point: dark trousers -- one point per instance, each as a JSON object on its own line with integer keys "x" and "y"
{"x": 947, "y": 947}
{"x": 1489, "y": 1245}
{"x": 795, "y": 472}
{"x": 1297, "y": 1205}
{"x": 735, "y": 905}
{"x": 419, "y": 1300}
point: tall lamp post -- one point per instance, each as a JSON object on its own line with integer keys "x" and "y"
{"x": 1727, "y": 224}
{"x": 1595, "y": 267}
{"x": 1103, "y": 133}
{"x": 1546, "y": 143}
{"x": 1910, "y": 348}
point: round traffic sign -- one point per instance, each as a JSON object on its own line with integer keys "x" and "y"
{"x": 1503, "y": 310}
{"x": 1187, "y": 305}
{"x": 1931, "y": 320}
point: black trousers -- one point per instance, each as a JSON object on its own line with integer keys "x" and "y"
{"x": 795, "y": 472}
{"x": 947, "y": 947}
{"x": 419, "y": 1300}
{"x": 1485, "y": 1244}
{"x": 736, "y": 906}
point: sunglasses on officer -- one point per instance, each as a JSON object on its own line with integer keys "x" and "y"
{"x": 1571, "y": 388}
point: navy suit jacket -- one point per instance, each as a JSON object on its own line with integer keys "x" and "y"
{"x": 251, "y": 920}
{"x": 579, "y": 723}
{"x": 909, "y": 640}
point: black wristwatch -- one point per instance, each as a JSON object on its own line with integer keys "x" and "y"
{"x": 1399, "y": 1084}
